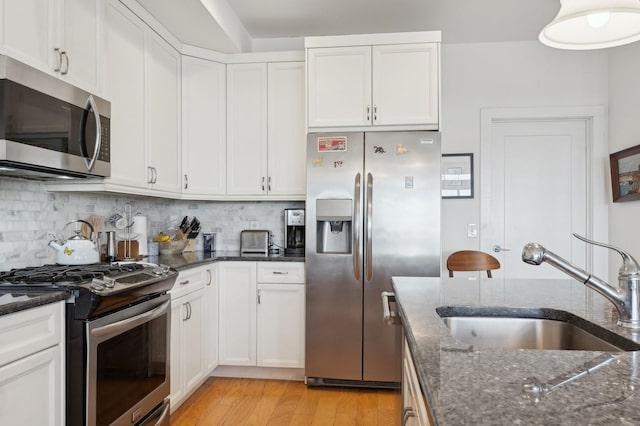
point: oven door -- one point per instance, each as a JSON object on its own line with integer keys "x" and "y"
{"x": 128, "y": 363}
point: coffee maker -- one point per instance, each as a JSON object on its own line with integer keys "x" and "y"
{"x": 294, "y": 231}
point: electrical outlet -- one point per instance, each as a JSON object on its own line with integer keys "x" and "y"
{"x": 253, "y": 224}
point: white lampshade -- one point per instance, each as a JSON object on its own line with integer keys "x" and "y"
{"x": 593, "y": 24}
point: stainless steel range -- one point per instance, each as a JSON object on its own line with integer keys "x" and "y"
{"x": 117, "y": 338}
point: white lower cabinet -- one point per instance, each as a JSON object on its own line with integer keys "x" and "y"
{"x": 31, "y": 366}
{"x": 187, "y": 334}
{"x": 414, "y": 408}
{"x": 211, "y": 303}
{"x": 262, "y": 314}
{"x": 237, "y": 326}
{"x": 280, "y": 325}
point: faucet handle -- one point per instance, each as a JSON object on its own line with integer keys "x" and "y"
{"x": 629, "y": 264}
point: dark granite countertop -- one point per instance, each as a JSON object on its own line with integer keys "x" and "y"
{"x": 466, "y": 385}
{"x": 13, "y": 301}
{"x": 192, "y": 259}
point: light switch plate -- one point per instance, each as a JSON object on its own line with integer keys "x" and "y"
{"x": 472, "y": 230}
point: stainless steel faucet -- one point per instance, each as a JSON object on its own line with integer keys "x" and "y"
{"x": 626, "y": 298}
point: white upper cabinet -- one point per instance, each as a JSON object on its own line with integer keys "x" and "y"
{"x": 60, "y": 37}
{"x": 376, "y": 82}
{"x": 142, "y": 81}
{"x": 405, "y": 84}
{"x": 287, "y": 133}
{"x": 203, "y": 127}
{"x": 339, "y": 86}
{"x": 162, "y": 108}
{"x": 247, "y": 129}
{"x": 124, "y": 87}
{"x": 266, "y": 135}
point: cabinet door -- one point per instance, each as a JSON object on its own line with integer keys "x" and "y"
{"x": 178, "y": 315}
{"x": 162, "y": 112}
{"x": 247, "y": 129}
{"x": 124, "y": 86}
{"x": 34, "y": 381}
{"x": 237, "y": 318}
{"x": 211, "y": 303}
{"x": 281, "y": 325}
{"x": 28, "y": 28}
{"x": 194, "y": 339}
{"x": 81, "y": 41}
{"x": 204, "y": 161}
{"x": 286, "y": 129}
{"x": 339, "y": 83}
{"x": 405, "y": 84}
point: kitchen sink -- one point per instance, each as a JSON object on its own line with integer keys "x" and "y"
{"x": 551, "y": 329}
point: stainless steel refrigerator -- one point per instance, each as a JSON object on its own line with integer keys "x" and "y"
{"x": 373, "y": 212}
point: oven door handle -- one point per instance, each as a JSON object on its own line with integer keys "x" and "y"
{"x": 129, "y": 323}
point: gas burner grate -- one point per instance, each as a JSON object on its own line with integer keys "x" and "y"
{"x": 63, "y": 274}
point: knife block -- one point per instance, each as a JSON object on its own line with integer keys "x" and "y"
{"x": 191, "y": 245}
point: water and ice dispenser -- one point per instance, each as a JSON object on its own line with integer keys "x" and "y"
{"x": 333, "y": 225}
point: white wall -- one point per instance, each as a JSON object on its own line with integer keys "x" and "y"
{"x": 624, "y": 132}
{"x": 517, "y": 74}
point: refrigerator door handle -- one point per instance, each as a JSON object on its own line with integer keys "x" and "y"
{"x": 369, "y": 228}
{"x": 355, "y": 235}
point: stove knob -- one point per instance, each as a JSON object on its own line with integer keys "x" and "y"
{"x": 97, "y": 284}
{"x": 109, "y": 282}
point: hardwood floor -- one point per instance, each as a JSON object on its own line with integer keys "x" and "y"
{"x": 224, "y": 401}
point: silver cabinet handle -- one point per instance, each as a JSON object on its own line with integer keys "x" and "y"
{"x": 129, "y": 323}
{"x": 369, "y": 227}
{"x": 59, "y": 65}
{"x": 186, "y": 181}
{"x": 388, "y": 315}
{"x": 66, "y": 60}
{"x": 263, "y": 183}
{"x": 185, "y": 282}
{"x": 368, "y": 112}
{"x": 280, "y": 273}
{"x": 407, "y": 414}
{"x": 375, "y": 113}
{"x": 186, "y": 312}
{"x": 498, "y": 249}
{"x": 155, "y": 175}
{"x": 210, "y": 275}
{"x": 91, "y": 104}
{"x": 149, "y": 174}
{"x": 269, "y": 184}
{"x": 189, "y": 305}
{"x": 355, "y": 235}
{"x": 259, "y": 294}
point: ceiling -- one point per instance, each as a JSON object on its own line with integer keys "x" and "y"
{"x": 218, "y": 24}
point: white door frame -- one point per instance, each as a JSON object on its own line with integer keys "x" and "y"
{"x": 597, "y": 168}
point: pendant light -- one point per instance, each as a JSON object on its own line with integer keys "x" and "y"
{"x": 593, "y": 24}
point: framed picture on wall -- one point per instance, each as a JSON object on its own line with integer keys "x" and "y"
{"x": 625, "y": 174}
{"x": 457, "y": 176}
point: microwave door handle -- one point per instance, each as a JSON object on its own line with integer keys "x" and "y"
{"x": 91, "y": 104}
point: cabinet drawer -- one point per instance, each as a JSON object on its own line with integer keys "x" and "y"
{"x": 281, "y": 272}
{"x": 30, "y": 331}
{"x": 188, "y": 281}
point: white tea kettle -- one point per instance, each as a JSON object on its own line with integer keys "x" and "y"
{"x": 77, "y": 250}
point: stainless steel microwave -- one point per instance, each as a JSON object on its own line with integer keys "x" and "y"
{"x": 49, "y": 128}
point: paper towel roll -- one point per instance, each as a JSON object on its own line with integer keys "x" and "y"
{"x": 140, "y": 228}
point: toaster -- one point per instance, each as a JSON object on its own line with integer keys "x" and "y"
{"x": 254, "y": 241}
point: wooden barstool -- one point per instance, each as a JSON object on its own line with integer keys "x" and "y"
{"x": 472, "y": 260}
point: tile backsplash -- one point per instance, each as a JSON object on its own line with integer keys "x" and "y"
{"x": 28, "y": 214}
